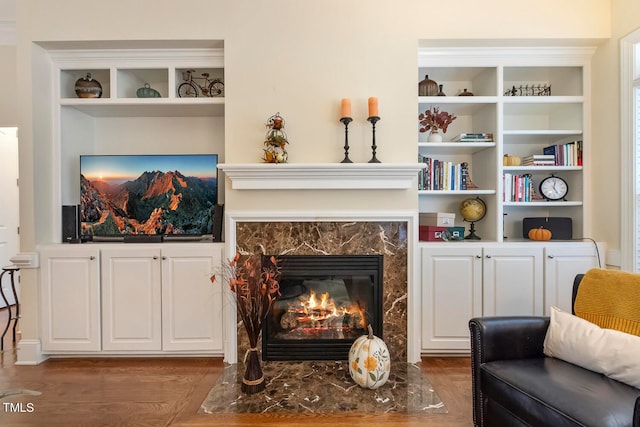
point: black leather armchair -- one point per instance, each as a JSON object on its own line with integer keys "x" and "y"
{"x": 515, "y": 384}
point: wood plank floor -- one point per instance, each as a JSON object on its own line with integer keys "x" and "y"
{"x": 168, "y": 392}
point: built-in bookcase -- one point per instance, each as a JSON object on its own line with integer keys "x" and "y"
{"x": 528, "y": 99}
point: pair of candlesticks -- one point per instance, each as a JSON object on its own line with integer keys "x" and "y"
{"x": 346, "y": 120}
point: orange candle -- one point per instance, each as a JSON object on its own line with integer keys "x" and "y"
{"x": 373, "y": 107}
{"x": 345, "y": 108}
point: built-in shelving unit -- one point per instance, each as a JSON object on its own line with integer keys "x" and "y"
{"x": 120, "y": 122}
{"x": 522, "y": 124}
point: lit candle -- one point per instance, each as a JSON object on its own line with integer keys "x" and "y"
{"x": 373, "y": 107}
{"x": 345, "y": 108}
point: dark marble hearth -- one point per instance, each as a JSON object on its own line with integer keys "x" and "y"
{"x": 322, "y": 388}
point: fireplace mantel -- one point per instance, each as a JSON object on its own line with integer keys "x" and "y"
{"x": 321, "y": 176}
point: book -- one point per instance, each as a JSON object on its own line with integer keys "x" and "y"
{"x": 473, "y": 137}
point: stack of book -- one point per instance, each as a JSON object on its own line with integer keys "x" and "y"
{"x": 539, "y": 160}
{"x": 473, "y": 137}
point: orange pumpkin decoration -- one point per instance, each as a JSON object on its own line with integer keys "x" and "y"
{"x": 540, "y": 234}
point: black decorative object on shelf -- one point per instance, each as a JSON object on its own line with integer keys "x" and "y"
{"x": 346, "y": 121}
{"x": 88, "y": 87}
{"x": 530, "y": 90}
{"x": 373, "y": 120}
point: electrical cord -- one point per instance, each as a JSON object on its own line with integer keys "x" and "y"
{"x": 595, "y": 245}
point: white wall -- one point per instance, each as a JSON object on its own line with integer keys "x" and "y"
{"x": 625, "y": 18}
{"x": 8, "y": 87}
{"x": 298, "y": 58}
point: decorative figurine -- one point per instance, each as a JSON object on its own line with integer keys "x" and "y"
{"x": 88, "y": 87}
{"x": 275, "y": 140}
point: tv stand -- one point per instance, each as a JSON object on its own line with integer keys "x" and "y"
{"x": 141, "y": 238}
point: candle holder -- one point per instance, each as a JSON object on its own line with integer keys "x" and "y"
{"x": 373, "y": 120}
{"x": 346, "y": 121}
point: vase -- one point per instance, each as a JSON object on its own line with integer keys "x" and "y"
{"x": 440, "y": 91}
{"x": 435, "y": 136}
{"x": 253, "y": 380}
{"x": 427, "y": 87}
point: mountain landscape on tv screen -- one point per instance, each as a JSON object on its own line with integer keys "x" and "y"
{"x": 154, "y": 203}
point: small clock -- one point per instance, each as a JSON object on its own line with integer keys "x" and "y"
{"x": 554, "y": 188}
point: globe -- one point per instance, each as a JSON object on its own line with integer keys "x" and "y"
{"x": 472, "y": 210}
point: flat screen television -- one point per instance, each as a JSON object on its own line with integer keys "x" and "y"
{"x": 166, "y": 195}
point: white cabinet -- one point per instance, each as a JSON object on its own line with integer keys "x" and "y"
{"x": 70, "y": 299}
{"x": 191, "y": 303}
{"x": 512, "y": 280}
{"x": 464, "y": 280}
{"x": 131, "y": 299}
{"x": 562, "y": 262}
{"x": 451, "y": 295}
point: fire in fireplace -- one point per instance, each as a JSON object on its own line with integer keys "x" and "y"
{"x": 327, "y": 302}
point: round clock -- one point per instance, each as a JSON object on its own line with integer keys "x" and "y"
{"x": 554, "y": 188}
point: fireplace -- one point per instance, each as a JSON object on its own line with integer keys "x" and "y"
{"x": 326, "y": 302}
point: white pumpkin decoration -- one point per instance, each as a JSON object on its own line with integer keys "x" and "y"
{"x": 369, "y": 363}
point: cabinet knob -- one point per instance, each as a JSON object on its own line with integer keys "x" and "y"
{"x": 488, "y": 256}
{"x": 164, "y": 257}
{"x": 478, "y": 256}
{"x": 550, "y": 256}
{"x": 155, "y": 257}
{"x": 91, "y": 258}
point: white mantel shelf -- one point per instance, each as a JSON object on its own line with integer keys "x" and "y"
{"x": 322, "y": 176}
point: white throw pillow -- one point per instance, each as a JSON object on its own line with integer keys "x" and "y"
{"x": 606, "y": 351}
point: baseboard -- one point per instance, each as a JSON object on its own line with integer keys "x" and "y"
{"x": 30, "y": 353}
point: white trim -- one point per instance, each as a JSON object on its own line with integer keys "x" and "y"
{"x": 627, "y": 152}
{"x": 413, "y": 263}
{"x": 507, "y": 56}
{"x": 30, "y": 353}
{"x": 344, "y": 176}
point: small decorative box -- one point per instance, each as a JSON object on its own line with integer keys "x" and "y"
{"x": 431, "y": 233}
{"x": 456, "y": 233}
{"x": 437, "y": 219}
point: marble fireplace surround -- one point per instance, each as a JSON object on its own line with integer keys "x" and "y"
{"x": 392, "y": 234}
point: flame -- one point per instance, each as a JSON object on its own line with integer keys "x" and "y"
{"x": 323, "y": 307}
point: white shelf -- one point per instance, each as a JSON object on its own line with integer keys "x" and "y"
{"x": 321, "y": 176}
{"x": 543, "y": 203}
{"x": 455, "y": 192}
{"x": 147, "y": 107}
{"x": 456, "y": 147}
{"x": 542, "y": 168}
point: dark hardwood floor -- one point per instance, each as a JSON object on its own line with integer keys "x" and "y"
{"x": 168, "y": 392}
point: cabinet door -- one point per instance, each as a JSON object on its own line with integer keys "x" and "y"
{"x": 131, "y": 299}
{"x": 451, "y": 295}
{"x": 191, "y": 304}
{"x": 512, "y": 280}
{"x": 561, "y": 264}
{"x": 70, "y": 299}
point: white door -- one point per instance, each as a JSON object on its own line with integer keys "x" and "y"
{"x": 191, "y": 304}
{"x": 451, "y": 295}
{"x": 9, "y": 207}
{"x": 513, "y": 281}
{"x": 563, "y": 261}
{"x": 131, "y": 299}
{"x": 70, "y": 298}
